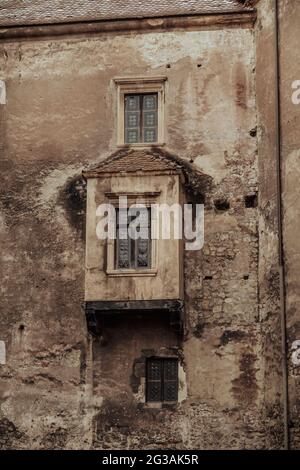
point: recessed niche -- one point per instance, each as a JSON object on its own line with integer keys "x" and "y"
{"x": 250, "y": 201}
{"x": 222, "y": 204}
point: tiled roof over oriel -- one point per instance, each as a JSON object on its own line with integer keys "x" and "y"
{"x": 131, "y": 161}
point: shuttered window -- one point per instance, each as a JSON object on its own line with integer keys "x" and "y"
{"x": 133, "y": 253}
{"x": 141, "y": 118}
{"x": 162, "y": 380}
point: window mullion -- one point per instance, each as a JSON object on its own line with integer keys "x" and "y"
{"x": 129, "y": 247}
{"x": 162, "y": 390}
{"x": 135, "y": 244}
{"x": 141, "y": 118}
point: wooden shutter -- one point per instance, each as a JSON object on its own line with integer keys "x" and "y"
{"x": 143, "y": 245}
{"x": 149, "y": 121}
{"x": 132, "y": 253}
{"x": 154, "y": 380}
{"x": 122, "y": 243}
{"x": 162, "y": 380}
{"x": 140, "y": 118}
{"x": 170, "y": 380}
{"x": 132, "y": 119}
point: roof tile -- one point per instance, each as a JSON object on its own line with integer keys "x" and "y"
{"x": 29, "y": 12}
{"x": 131, "y": 161}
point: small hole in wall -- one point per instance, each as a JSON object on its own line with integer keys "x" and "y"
{"x": 199, "y": 65}
{"x": 253, "y": 132}
{"x": 208, "y": 278}
{"x": 246, "y": 277}
{"x": 222, "y": 204}
{"x": 168, "y": 66}
{"x": 250, "y": 201}
{"x": 22, "y": 327}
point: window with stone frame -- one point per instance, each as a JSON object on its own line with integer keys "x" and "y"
{"x": 140, "y": 110}
{"x": 133, "y": 253}
{"x": 162, "y": 380}
{"x": 140, "y": 118}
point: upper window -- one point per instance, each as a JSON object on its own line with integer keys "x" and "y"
{"x": 140, "y": 118}
{"x": 140, "y": 111}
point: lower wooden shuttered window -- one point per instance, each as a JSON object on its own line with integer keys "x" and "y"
{"x": 162, "y": 380}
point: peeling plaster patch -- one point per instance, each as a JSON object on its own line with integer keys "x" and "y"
{"x": 172, "y": 47}
{"x": 213, "y": 165}
{"x": 54, "y": 57}
{"x": 291, "y": 168}
{"x": 7, "y": 257}
{"x": 2, "y": 92}
{"x": 55, "y": 180}
{"x": 140, "y": 396}
{"x": 2, "y": 224}
{"x": 2, "y": 353}
{"x": 155, "y": 48}
{"x": 182, "y": 388}
{"x": 296, "y": 353}
{"x": 227, "y": 223}
{"x": 266, "y": 16}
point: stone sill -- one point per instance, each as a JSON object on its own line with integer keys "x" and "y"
{"x": 131, "y": 272}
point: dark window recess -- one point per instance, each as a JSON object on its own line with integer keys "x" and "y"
{"x": 251, "y": 201}
{"x": 131, "y": 253}
{"x": 162, "y": 380}
{"x": 222, "y": 204}
{"x": 141, "y": 118}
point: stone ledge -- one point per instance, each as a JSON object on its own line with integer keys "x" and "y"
{"x": 240, "y": 19}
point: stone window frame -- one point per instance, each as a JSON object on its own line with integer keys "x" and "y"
{"x": 140, "y": 85}
{"x": 138, "y": 377}
{"x": 133, "y": 198}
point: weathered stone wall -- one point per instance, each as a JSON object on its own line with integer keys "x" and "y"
{"x": 269, "y": 289}
{"x": 59, "y": 388}
{"x": 289, "y": 17}
{"x": 290, "y": 122}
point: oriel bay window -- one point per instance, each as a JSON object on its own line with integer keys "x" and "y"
{"x": 133, "y": 250}
{"x": 134, "y": 263}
